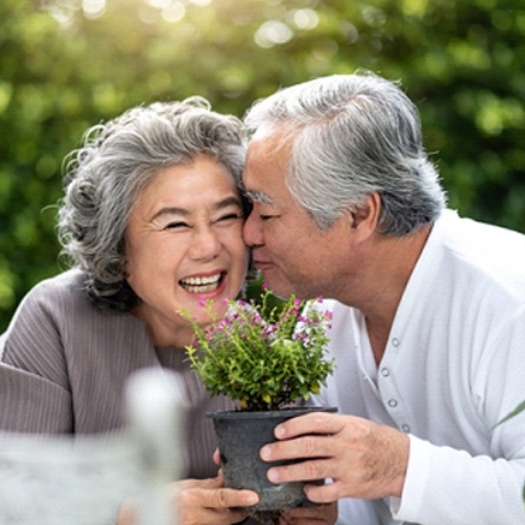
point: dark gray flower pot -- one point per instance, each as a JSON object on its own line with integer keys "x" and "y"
{"x": 240, "y": 436}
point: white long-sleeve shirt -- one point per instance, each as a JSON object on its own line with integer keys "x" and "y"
{"x": 454, "y": 366}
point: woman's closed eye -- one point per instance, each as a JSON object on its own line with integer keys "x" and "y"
{"x": 176, "y": 225}
{"x": 223, "y": 219}
{"x": 229, "y": 217}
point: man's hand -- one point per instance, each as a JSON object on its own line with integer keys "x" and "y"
{"x": 201, "y": 502}
{"x": 363, "y": 459}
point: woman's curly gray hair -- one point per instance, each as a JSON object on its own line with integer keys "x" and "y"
{"x": 116, "y": 161}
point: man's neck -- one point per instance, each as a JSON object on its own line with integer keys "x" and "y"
{"x": 392, "y": 260}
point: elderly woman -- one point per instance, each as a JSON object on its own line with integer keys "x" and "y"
{"x": 152, "y": 222}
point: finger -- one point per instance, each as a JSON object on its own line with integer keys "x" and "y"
{"x": 324, "y": 494}
{"x": 235, "y": 498}
{"x": 312, "y": 423}
{"x": 312, "y": 470}
{"x": 224, "y": 498}
{"x": 209, "y": 483}
{"x": 126, "y": 513}
{"x": 313, "y": 435}
{"x": 217, "y": 457}
{"x": 202, "y": 515}
{"x": 311, "y": 446}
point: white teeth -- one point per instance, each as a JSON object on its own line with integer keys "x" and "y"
{"x": 201, "y": 289}
{"x": 199, "y": 281}
{"x": 201, "y": 284}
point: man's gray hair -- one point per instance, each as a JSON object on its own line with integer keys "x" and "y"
{"x": 350, "y": 136}
{"x": 115, "y": 163}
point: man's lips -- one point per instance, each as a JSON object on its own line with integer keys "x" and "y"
{"x": 260, "y": 264}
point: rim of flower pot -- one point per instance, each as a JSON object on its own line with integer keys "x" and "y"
{"x": 256, "y": 414}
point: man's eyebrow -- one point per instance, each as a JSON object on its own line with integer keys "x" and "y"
{"x": 258, "y": 196}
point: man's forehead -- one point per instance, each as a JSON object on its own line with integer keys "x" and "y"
{"x": 265, "y": 130}
{"x": 272, "y": 138}
{"x": 269, "y": 142}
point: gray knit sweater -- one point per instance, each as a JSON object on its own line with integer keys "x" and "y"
{"x": 65, "y": 363}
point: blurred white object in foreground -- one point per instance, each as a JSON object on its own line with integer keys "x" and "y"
{"x": 82, "y": 480}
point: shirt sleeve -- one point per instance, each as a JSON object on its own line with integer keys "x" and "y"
{"x": 445, "y": 485}
{"x": 449, "y": 485}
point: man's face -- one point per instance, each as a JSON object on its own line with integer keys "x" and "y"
{"x": 294, "y": 255}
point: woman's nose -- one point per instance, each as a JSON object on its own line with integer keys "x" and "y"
{"x": 205, "y": 244}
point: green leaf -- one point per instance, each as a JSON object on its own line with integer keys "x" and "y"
{"x": 520, "y": 408}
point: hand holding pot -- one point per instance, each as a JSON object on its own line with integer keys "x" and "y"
{"x": 364, "y": 459}
{"x": 207, "y": 501}
{"x": 200, "y": 502}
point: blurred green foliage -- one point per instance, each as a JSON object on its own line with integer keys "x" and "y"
{"x": 68, "y": 64}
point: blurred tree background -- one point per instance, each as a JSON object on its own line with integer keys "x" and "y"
{"x": 68, "y": 64}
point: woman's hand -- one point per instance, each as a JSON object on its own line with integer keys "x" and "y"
{"x": 322, "y": 514}
{"x": 201, "y": 502}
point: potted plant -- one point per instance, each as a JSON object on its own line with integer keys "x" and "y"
{"x": 267, "y": 356}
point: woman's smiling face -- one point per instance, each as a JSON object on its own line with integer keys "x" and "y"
{"x": 184, "y": 245}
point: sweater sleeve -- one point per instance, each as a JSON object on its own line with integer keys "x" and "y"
{"x": 34, "y": 387}
{"x": 29, "y": 403}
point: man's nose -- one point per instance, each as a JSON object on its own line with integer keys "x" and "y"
{"x": 253, "y": 231}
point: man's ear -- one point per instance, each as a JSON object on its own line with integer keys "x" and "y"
{"x": 366, "y": 216}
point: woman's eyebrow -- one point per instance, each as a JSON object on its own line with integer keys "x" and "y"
{"x": 171, "y": 210}
{"x": 229, "y": 201}
{"x": 183, "y": 212}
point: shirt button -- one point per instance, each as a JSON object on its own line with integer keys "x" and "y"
{"x": 385, "y": 372}
{"x": 406, "y": 428}
{"x": 392, "y": 403}
{"x": 395, "y": 341}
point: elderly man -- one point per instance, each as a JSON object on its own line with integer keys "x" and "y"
{"x": 429, "y": 310}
